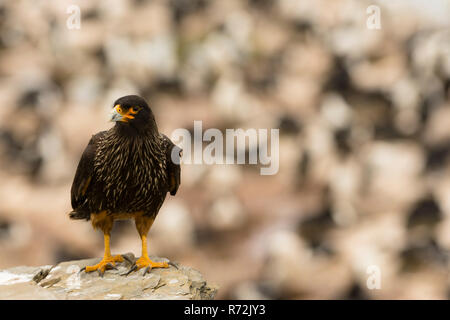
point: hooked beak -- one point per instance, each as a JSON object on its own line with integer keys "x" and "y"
{"x": 115, "y": 115}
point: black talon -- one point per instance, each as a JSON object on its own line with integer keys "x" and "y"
{"x": 147, "y": 270}
{"x": 81, "y": 270}
{"x": 127, "y": 258}
{"x": 100, "y": 273}
{"x": 172, "y": 264}
{"x": 133, "y": 268}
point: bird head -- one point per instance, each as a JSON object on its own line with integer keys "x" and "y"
{"x": 132, "y": 111}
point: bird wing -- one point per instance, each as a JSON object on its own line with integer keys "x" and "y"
{"x": 173, "y": 168}
{"x": 85, "y": 172}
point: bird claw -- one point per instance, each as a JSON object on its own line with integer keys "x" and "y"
{"x": 82, "y": 269}
{"x": 133, "y": 268}
{"x": 127, "y": 258}
{"x": 149, "y": 265}
{"x": 108, "y": 266}
{"x": 147, "y": 270}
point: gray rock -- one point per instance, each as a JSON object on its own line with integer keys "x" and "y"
{"x": 65, "y": 282}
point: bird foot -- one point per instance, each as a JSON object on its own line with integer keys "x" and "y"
{"x": 107, "y": 263}
{"x": 145, "y": 262}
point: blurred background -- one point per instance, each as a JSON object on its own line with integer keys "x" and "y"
{"x": 364, "y": 123}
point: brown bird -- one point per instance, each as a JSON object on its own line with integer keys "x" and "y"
{"x": 125, "y": 173}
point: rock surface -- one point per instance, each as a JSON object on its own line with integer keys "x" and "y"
{"x": 65, "y": 281}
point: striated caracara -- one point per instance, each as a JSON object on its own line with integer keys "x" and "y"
{"x": 125, "y": 173}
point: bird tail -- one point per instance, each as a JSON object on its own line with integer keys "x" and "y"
{"x": 79, "y": 215}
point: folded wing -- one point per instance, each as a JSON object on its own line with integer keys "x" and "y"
{"x": 173, "y": 158}
{"x": 84, "y": 175}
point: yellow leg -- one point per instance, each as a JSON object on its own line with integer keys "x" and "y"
{"x": 144, "y": 260}
{"x": 143, "y": 225}
{"x": 108, "y": 261}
